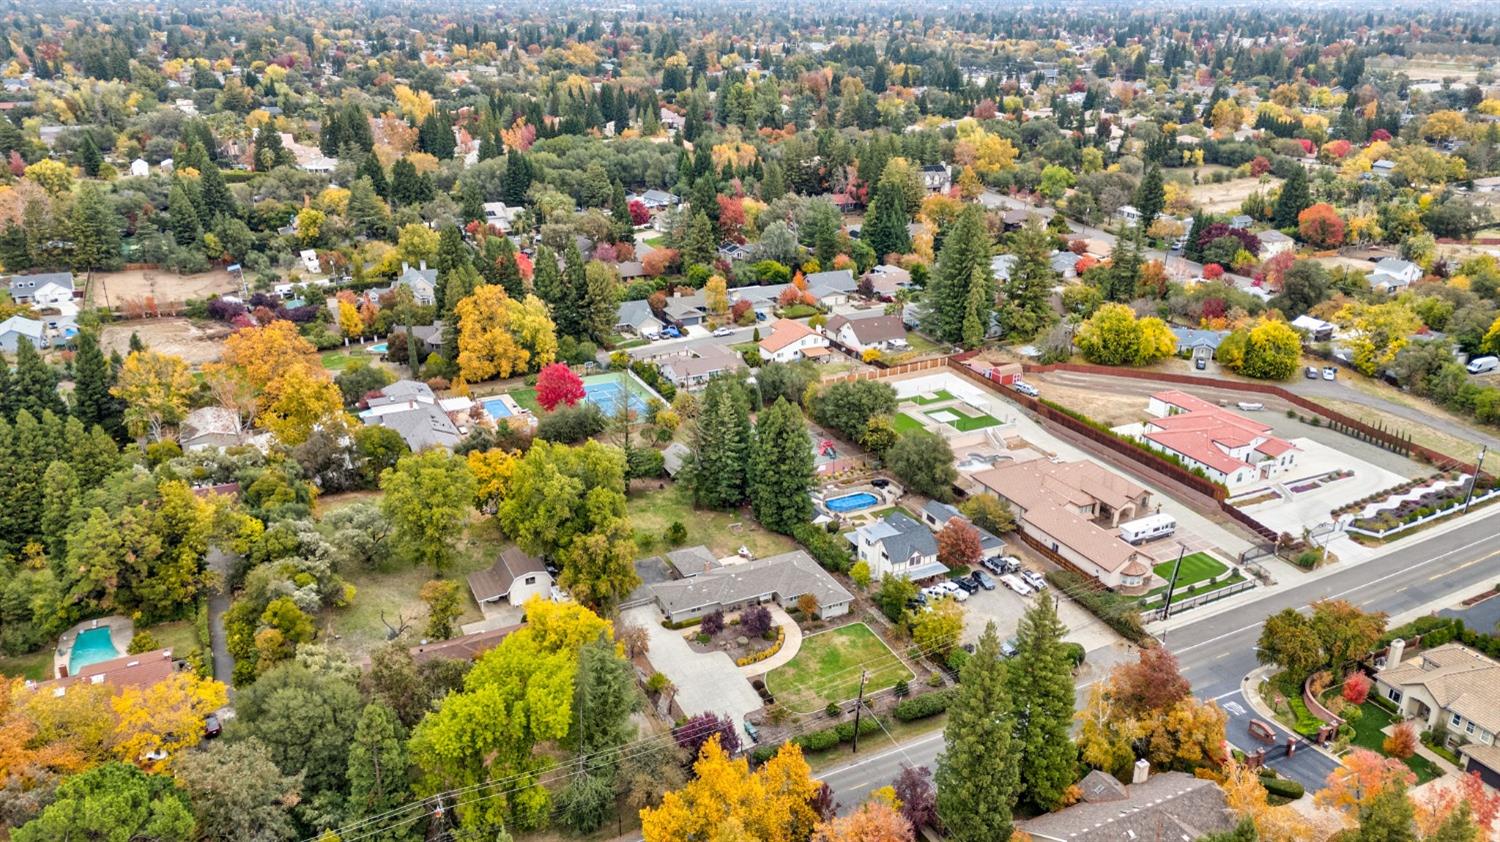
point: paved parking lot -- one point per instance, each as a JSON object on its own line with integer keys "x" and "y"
{"x": 1004, "y": 607}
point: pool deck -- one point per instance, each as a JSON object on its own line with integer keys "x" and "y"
{"x": 121, "y": 630}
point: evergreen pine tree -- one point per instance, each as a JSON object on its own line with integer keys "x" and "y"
{"x": 773, "y": 186}
{"x": 501, "y": 253}
{"x": 721, "y": 446}
{"x": 451, "y": 251}
{"x": 963, "y": 262}
{"x": 34, "y": 384}
{"x": 408, "y": 187}
{"x": 471, "y": 202}
{"x": 217, "y": 200}
{"x": 885, "y": 229}
{"x": 89, "y": 156}
{"x": 1193, "y": 250}
{"x": 1125, "y": 267}
{"x": 979, "y": 304}
{"x": 92, "y": 379}
{"x": 370, "y": 168}
{"x": 600, "y": 300}
{"x": 1294, "y": 199}
{"x": 356, "y": 128}
{"x": 978, "y": 773}
{"x": 1150, "y": 196}
{"x": 60, "y": 495}
{"x": 182, "y": 217}
{"x": 378, "y": 766}
{"x": 567, "y": 317}
{"x": 547, "y": 283}
{"x": 95, "y": 230}
{"x": 7, "y": 410}
{"x": 1027, "y": 308}
{"x": 781, "y": 468}
{"x": 1040, "y": 678}
{"x": 619, "y": 212}
{"x": 517, "y": 179}
{"x": 699, "y": 247}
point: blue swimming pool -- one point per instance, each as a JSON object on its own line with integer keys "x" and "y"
{"x": 91, "y": 647}
{"x": 377, "y": 348}
{"x": 851, "y": 502}
{"x": 496, "y": 408}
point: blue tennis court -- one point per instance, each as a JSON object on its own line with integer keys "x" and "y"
{"x": 607, "y": 397}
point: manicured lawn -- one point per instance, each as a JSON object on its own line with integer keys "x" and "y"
{"x": 651, "y": 512}
{"x": 921, "y": 344}
{"x": 964, "y": 423}
{"x": 526, "y": 399}
{"x": 1196, "y": 568}
{"x": 828, "y": 666}
{"x": 339, "y": 358}
{"x": 620, "y": 342}
{"x": 937, "y": 397}
{"x": 905, "y": 423}
{"x": 1367, "y": 735}
{"x": 798, "y": 311}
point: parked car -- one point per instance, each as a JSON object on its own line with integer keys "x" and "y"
{"x": 723, "y": 331}
{"x": 211, "y": 726}
{"x": 983, "y": 579}
{"x": 1025, "y": 388}
{"x": 751, "y": 731}
{"x": 1250, "y": 406}
{"x": 968, "y": 584}
{"x": 1483, "y": 365}
{"x": 960, "y": 594}
{"x": 1311, "y": 372}
{"x": 672, "y": 332}
{"x": 1329, "y": 372}
{"x": 1200, "y": 363}
{"x": 1034, "y": 579}
{"x": 1010, "y": 563}
{"x": 1008, "y": 647}
{"x": 994, "y": 565}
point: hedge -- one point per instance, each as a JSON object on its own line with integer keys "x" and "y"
{"x": 867, "y": 725}
{"x": 818, "y": 740}
{"x": 1282, "y": 787}
{"x": 757, "y": 657}
{"x": 1117, "y": 612}
{"x": 681, "y": 624}
{"x": 829, "y": 551}
{"x": 923, "y": 706}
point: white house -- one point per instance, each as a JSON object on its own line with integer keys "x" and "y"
{"x": 514, "y": 577}
{"x": 139, "y": 168}
{"x": 882, "y": 333}
{"x": 1393, "y": 274}
{"x": 500, "y": 215}
{"x": 23, "y": 288}
{"x": 791, "y": 341}
{"x": 309, "y": 258}
{"x": 1273, "y": 243}
{"x": 422, "y": 282}
{"x": 937, "y": 177}
{"x": 1128, "y": 215}
{"x": 898, "y": 545}
{"x": 1229, "y": 448}
{"x": 15, "y": 328}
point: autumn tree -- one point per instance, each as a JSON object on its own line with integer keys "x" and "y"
{"x": 958, "y": 545}
{"x": 164, "y": 719}
{"x": 155, "y": 389}
{"x": 1246, "y": 796}
{"x": 875, "y": 821}
{"x": 428, "y": 497}
{"x": 444, "y": 605}
{"x": 1402, "y": 741}
{"x": 499, "y": 336}
{"x": 557, "y": 384}
{"x": 727, "y": 801}
{"x": 936, "y": 630}
{"x": 1345, "y": 632}
{"x": 1360, "y": 778}
{"x": 1321, "y": 226}
{"x": 1152, "y": 682}
{"x": 1289, "y": 641}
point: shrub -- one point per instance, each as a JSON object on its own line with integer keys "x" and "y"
{"x": 704, "y": 637}
{"x": 1075, "y": 654}
{"x": 757, "y": 657}
{"x": 921, "y": 707}
{"x": 1282, "y": 787}
{"x": 1116, "y": 611}
{"x": 676, "y": 533}
{"x": 902, "y": 689}
{"x": 832, "y": 709}
{"x": 830, "y": 552}
{"x": 956, "y": 660}
{"x": 756, "y": 620}
{"x": 845, "y": 730}
{"x": 1356, "y": 688}
{"x": 1402, "y": 743}
{"x": 818, "y": 740}
{"x": 713, "y": 623}
{"x": 761, "y": 754}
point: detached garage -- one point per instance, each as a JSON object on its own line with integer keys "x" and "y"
{"x": 515, "y": 577}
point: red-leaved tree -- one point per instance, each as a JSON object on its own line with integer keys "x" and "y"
{"x": 1321, "y": 225}
{"x": 1356, "y": 688}
{"x": 958, "y": 545}
{"x": 556, "y": 384}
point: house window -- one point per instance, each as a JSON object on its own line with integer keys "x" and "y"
{"x": 1469, "y": 729}
{"x": 1455, "y": 720}
{"x": 1393, "y": 694}
{"x": 531, "y": 580}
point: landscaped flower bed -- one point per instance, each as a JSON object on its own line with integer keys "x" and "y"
{"x": 1429, "y": 503}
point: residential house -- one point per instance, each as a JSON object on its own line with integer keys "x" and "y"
{"x": 937, "y": 178}
{"x": 792, "y": 340}
{"x": 1165, "y": 807}
{"x": 1198, "y": 344}
{"x": 421, "y": 281}
{"x": 1273, "y": 243}
{"x": 884, "y": 281}
{"x": 1241, "y": 221}
{"x": 1229, "y": 448}
{"x": 655, "y": 200}
{"x": 139, "y": 168}
{"x": 693, "y": 368}
{"x": 1074, "y": 510}
{"x": 1064, "y": 263}
{"x": 137, "y": 671}
{"x": 936, "y": 515}
{"x": 514, "y": 577}
{"x": 831, "y": 288}
{"x": 686, "y": 310}
{"x": 635, "y": 318}
{"x": 881, "y": 333}
{"x": 1450, "y": 688}
{"x": 23, "y": 288}
{"x": 1001, "y": 265}
{"x": 1128, "y": 215}
{"x": 1316, "y": 329}
{"x": 414, "y": 411}
{"x": 500, "y": 215}
{"x": 15, "y": 328}
{"x": 733, "y": 252}
{"x": 782, "y": 579}
{"x": 1383, "y": 168}
{"x": 465, "y": 647}
{"x": 1393, "y": 274}
{"x": 211, "y": 427}
{"x": 899, "y": 545}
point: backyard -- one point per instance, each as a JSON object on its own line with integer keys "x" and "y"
{"x": 827, "y": 669}
{"x": 652, "y": 512}
{"x": 961, "y": 419}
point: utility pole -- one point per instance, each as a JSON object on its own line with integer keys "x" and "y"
{"x": 859, "y": 707}
{"x": 1474, "y": 480}
{"x": 1166, "y": 606}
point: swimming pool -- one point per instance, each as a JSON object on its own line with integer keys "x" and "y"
{"x": 851, "y": 502}
{"x": 377, "y": 348}
{"x": 90, "y": 647}
{"x": 607, "y": 397}
{"x": 496, "y": 408}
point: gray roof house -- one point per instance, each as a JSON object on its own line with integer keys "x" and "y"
{"x": 1166, "y": 807}
{"x": 14, "y": 328}
{"x": 1198, "y": 343}
{"x": 1392, "y": 274}
{"x": 832, "y": 287}
{"x": 675, "y": 457}
{"x": 636, "y": 317}
{"x": 898, "y": 545}
{"x": 421, "y": 281}
{"x": 781, "y": 579}
{"x": 693, "y": 369}
{"x": 412, "y": 409}
{"x": 23, "y": 287}
{"x": 936, "y": 516}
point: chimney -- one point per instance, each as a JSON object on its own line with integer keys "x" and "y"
{"x": 404, "y": 267}
{"x": 1142, "y": 771}
{"x": 424, "y": 264}
{"x": 1393, "y": 656}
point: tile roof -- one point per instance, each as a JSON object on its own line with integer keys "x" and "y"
{"x": 783, "y": 333}
{"x": 1460, "y": 680}
{"x": 1167, "y": 807}
{"x": 1049, "y": 495}
{"x": 1205, "y": 432}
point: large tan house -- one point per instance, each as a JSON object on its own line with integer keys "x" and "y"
{"x": 1454, "y": 688}
{"x": 1075, "y": 509}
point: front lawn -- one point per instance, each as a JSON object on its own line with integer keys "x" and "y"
{"x": 799, "y": 311}
{"x": 1367, "y": 734}
{"x": 828, "y": 666}
{"x": 1198, "y": 567}
{"x": 339, "y": 358}
{"x": 651, "y": 512}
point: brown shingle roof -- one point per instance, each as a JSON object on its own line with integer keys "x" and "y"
{"x": 465, "y": 647}
{"x": 494, "y": 583}
{"x": 1168, "y": 807}
{"x": 140, "y": 670}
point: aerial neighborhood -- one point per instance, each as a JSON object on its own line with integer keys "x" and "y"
{"x": 749, "y": 422}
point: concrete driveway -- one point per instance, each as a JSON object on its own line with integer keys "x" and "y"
{"x": 706, "y": 682}
{"x": 1005, "y": 608}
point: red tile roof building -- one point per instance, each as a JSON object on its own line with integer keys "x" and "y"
{"x": 1229, "y": 448}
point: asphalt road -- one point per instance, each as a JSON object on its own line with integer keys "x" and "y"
{"x": 1218, "y": 651}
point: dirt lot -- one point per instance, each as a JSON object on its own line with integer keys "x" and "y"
{"x": 112, "y": 288}
{"x": 1226, "y": 197}
{"x": 179, "y": 337}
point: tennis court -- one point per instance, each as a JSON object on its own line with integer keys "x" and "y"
{"x": 606, "y": 392}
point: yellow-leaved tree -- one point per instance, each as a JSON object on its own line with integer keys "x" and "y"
{"x": 157, "y": 723}
{"x": 492, "y": 470}
{"x": 155, "y": 389}
{"x": 302, "y": 401}
{"x": 499, "y": 336}
{"x": 726, "y": 800}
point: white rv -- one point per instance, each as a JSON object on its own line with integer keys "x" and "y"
{"x": 1147, "y": 528}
